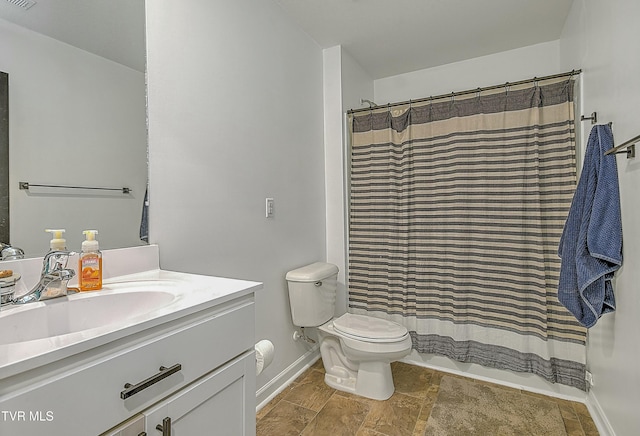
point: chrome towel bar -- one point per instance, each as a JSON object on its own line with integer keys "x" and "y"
{"x": 27, "y": 185}
{"x": 630, "y": 146}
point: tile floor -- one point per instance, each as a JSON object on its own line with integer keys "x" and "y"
{"x": 309, "y": 407}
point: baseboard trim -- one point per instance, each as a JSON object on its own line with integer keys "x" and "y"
{"x": 598, "y": 415}
{"x": 579, "y": 397}
{"x": 277, "y": 384}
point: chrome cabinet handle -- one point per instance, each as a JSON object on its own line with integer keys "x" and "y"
{"x": 165, "y": 428}
{"x": 134, "y": 389}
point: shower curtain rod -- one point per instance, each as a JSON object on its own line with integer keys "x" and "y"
{"x": 469, "y": 91}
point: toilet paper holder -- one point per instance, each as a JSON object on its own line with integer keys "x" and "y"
{"x": 265, "y": 351}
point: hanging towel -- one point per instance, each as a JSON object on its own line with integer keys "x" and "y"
{"x": 591, "y": 242}
{"x": 144, "y": 221}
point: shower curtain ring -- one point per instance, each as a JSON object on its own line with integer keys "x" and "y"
{"x": 506, "y": 88}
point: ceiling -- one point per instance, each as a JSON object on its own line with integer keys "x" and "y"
{"x": 113, "y": 29}
{"x": 390, "y": 37}
{"x": 386, "y": 37}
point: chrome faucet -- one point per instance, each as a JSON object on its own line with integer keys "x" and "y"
{"x": 53, "y": 279}
{"x": 7, "y": 252}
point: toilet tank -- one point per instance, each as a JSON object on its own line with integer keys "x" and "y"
{"x": 312, "y": 293}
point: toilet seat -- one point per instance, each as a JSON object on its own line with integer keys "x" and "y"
{"x": 369, "y": 329}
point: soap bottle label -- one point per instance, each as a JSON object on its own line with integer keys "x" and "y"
{"x": 90, "y": 272}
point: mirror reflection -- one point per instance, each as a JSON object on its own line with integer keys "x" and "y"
{"x": 76, "y": 117}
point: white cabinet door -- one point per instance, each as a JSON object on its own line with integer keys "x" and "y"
{"x": 220, "y": 403}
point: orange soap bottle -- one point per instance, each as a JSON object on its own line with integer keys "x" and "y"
{"x": 90, "y": 263}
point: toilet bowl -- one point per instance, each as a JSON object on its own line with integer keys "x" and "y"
{"x": 356, "y": 350}
{"x": 358, "y": 359}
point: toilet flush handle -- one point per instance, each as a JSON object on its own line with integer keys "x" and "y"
{"x": 318, "y": 283}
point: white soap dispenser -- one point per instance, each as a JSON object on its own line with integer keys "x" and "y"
{"x": 57, "y": 241}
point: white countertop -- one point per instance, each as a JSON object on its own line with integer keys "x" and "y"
{"x": 189, "y": 293}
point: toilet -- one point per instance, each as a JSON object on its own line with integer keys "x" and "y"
{"x": 356, "y": 350}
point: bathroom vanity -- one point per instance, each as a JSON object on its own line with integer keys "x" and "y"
{"x": 153, "y": 352}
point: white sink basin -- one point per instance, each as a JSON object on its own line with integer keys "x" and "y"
{"x": 35, "y": 334}
{"x": 77, "y": 313}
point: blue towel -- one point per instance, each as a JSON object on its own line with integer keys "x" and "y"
{"x": 591, "y": 242}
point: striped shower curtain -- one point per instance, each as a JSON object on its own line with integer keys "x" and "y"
{"x": 456, "y": 212}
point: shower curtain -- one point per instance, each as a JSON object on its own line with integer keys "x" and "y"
{"x": 456, "y": 212}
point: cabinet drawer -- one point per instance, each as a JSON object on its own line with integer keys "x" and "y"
{"x": 85, "y": 397}
{"x": 217, "y": 404}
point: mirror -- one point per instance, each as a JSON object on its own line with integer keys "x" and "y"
{"x": 76, "y": 118}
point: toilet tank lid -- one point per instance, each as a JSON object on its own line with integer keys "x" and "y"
{"x": 312, "y": 273}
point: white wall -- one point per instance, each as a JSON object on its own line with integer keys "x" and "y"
{"x": 75, "y": 119}
{"x": 602, "y": 38}
{"x": 357, "y": 84}
{"x": 235, "y": 116}
{"x": 334, "y": 169}
{"x": 345, "y": 83}
{"x": 509, "y": 66}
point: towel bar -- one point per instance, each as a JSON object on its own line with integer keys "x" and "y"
{"x": 630, "y": 146}
{"x": 593, "y": 118}
{"x": 27, "y": 185}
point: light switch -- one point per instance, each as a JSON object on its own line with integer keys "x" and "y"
{"x": 270, "y": 204}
